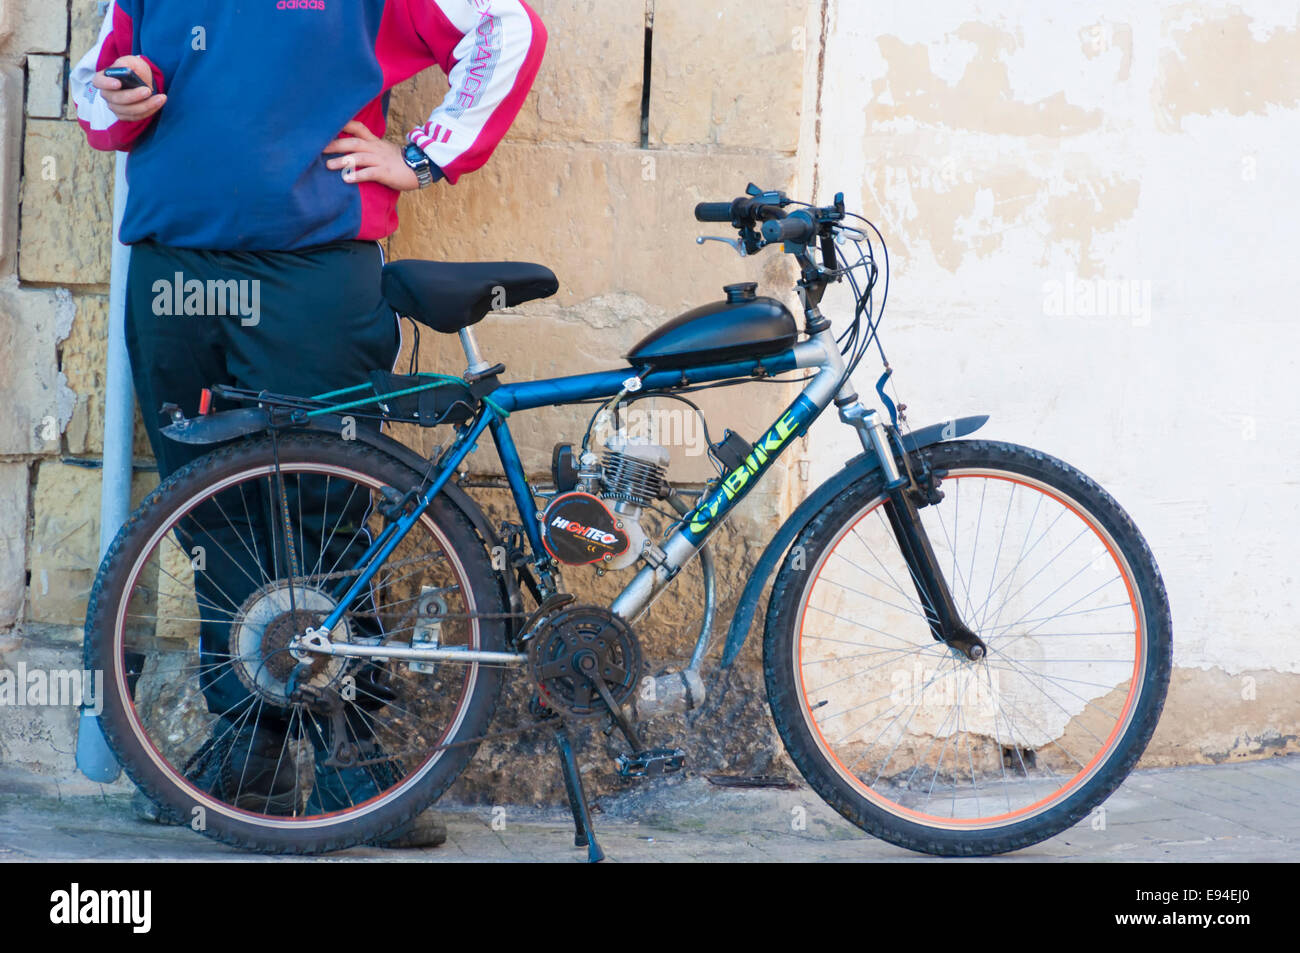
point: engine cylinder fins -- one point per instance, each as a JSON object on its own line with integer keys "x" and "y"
{"x": 633, "y": 470}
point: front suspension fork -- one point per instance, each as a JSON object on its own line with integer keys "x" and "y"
{"x": 932, "y": 588}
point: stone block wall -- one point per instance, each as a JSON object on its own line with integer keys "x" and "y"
{"x": 601, "y": 187}
{"x": 597, "y": 179}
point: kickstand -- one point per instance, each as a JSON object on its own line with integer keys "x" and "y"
{"x": 583, "y": 834}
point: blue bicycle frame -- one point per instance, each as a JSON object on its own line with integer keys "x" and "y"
{"x": 819, "y": 352}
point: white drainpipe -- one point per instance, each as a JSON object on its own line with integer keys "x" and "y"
{"x": 94, "y": 759}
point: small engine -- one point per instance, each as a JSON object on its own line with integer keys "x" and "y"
{"x": 596, "y": 514}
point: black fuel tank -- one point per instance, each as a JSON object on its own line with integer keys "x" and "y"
{"x": 742, "y": 326}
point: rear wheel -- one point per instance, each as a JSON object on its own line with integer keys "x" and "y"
{"x": 919, "y": 745}
{"x": 192, "y": 614}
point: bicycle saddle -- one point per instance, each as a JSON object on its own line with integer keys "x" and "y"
{"x": 448, "y": 295}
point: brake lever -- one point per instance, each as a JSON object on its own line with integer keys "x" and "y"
{"x": 736, "y": 244}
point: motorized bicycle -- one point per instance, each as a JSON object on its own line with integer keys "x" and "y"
{"x": 304, "y": 633}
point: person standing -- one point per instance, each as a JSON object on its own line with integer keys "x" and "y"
{"x": 256, "y": 155}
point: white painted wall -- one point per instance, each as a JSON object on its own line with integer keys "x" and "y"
{"x": 1038, "y": 142}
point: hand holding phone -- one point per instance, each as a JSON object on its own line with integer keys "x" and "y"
{"x": 127, "y": 78}
{"x": 127, "y": 87}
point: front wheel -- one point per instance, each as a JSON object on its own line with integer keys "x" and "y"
{"x": 914, "y": 742}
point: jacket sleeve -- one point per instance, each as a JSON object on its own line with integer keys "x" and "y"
{"x": 103, "y": 129}
{"x": 491, "y": 51}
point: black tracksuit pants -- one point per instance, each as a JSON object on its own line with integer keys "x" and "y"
{"x": 303, "y": 322}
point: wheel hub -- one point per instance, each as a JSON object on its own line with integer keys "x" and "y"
{"x": 280, "y": 632}
{"x": 265, "y": 628}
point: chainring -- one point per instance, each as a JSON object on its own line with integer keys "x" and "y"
{"x": 576, "y": 645}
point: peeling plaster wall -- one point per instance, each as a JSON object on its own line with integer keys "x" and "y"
{"x": 1089, "y": 211}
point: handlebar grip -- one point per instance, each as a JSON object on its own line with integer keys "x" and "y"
{"x": 797, "y": 228}
{"x": 713, "y": 212}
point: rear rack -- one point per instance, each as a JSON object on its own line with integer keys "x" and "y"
{"x": 427, "y": 400}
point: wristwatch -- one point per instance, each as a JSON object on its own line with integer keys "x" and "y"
{"x": 425, "y": 171}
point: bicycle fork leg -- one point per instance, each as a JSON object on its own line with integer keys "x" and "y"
{"x": 932, "y": 588}
{"x": 936, "y": 597}
{"x": 583, "y": 833}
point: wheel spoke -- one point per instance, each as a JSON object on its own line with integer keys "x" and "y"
{"x": 209, "y": 668}
{"x": 919, "y": 728}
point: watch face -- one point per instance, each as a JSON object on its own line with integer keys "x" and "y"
{"x": 419, "y": 163}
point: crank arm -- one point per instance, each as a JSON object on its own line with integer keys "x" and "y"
{"x": 620, "y": 719}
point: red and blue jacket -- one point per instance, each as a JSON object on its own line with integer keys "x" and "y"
{"x": 257, "y": 88}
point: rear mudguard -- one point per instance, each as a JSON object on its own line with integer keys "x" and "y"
{"x": 853, "y": 471}
{"x": 248, "y": 421}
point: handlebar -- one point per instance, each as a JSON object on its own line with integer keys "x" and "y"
{"x": 797, "y": 228}
{"x": 741, "y": 211}
{"x": 761, "y": 218}
{"x": 714, "y": 211}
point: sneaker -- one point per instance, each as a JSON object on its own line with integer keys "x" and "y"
{"x": 249, "y": 760}
{"x": 259, "y": 771}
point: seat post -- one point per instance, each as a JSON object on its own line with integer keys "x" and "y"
{"x": 475, "y": 357}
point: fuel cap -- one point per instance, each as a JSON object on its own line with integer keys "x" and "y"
{"x": 745, "y": 291}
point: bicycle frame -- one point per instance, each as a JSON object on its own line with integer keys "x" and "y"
{"x": 830, "y": 381}
{"x": 818, "y": 352}
{"x": 895, "y": 478}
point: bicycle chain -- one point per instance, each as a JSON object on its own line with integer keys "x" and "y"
{"x": 347, "y": 573}
{"x": 549, "y": 715}
{"x": 491, "y": 736}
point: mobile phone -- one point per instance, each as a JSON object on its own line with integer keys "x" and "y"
{"x": 128, "y": 79}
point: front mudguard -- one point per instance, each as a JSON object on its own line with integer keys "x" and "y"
{"x": 853, "y": 471}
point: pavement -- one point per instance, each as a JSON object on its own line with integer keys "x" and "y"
{"x": 1246, "y": 811}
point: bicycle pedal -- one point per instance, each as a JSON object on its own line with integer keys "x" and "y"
{"x": 651, "y": 763}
